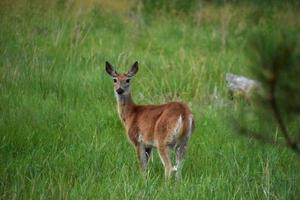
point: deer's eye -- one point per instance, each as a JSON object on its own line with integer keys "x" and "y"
{"x": 115, "y": 80}
{"x": 128, "y": 80}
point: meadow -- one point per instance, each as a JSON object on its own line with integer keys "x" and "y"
{"x": 60, "y": 135}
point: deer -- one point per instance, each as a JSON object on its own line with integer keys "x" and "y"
{"x": 165, "y": 127}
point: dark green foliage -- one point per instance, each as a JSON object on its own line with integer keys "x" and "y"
{"x": 275, "y": 58}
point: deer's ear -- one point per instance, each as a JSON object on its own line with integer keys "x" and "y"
{"x": 134, "y": 69}
{"x": 110, "y": 69}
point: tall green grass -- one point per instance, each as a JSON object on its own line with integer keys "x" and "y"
{"x": 60, "y": 136}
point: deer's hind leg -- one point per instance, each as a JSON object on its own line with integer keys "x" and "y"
{"x": 168, "y": 129}
{"x": 180, "y": 148}
{"x": 165, "y": 159}
{"x": 180, "y": 153}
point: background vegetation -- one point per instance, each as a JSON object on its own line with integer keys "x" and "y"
{"x": 60, "y": 136}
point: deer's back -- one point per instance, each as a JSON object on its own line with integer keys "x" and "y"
{"x": 154, "y": 123}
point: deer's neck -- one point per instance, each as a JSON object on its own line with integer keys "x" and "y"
{"x": 125, "y": 108}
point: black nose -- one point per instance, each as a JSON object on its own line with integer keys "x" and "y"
{"x": 120, "y": 91}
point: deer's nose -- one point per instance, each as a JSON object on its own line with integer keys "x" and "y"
{"x": 120, "y": 91}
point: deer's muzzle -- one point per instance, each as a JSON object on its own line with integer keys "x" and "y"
{"x": 120, "y": 91}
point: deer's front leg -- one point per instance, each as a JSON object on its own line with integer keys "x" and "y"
{"x": 142, "y": 156}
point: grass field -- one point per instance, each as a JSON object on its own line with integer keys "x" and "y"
{"x": 60, "y": 135}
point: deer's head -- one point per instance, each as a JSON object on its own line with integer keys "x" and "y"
{"x": 121, "y": 81}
